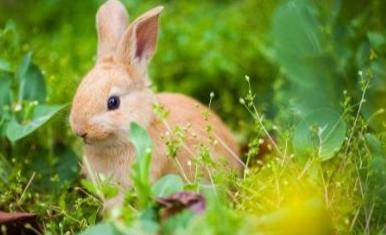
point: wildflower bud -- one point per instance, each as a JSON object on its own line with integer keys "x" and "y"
{"x": 247, "y": 78}
{"x": 212, "y": 95}
{"x": 242, "y": 101}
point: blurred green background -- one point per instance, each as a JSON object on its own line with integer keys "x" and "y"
{"x": 300, "y": 56}
{"x": 303, "y": 53}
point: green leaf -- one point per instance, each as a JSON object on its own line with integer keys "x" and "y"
{"x": 5, "y": 90}
{"x": 32, "y": 85}
{"x": 140, "y": 139}
{"x": 375, "y": 146}
{"x": 167, "y": 185}
{"x": 376, "y": 96}
{"x": 148, "y": 221}
{"x": 322, "y": 131}
{"x": 297, "y": 40}
{"x": 5, "y": 169}
{"x": 109, "y": 190}
{"x": 41, "y": 115}
{"x": 5, "y": 117}
{"x": 101, "y": 228}
{"x": 67, "y": 165}
{"x": 141, "y": 167}
{"x": 376, "y": 39}
{"x": 24, "y": 66}
{"x": 89, "y": 186}
{"x": 9, "y": 38}
{"x": 376, "y": 178}
{"x": 178, "y": 222}
{"x": 301, "y": 49}
{"x": 5, "y": 65}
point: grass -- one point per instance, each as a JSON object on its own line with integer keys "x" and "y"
{"x": 332, "y": 182}
{"x": 277, "y": 192}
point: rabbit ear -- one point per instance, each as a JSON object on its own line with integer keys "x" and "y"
{"x": 138, "y": 43}
{"x": 111, "y": 21}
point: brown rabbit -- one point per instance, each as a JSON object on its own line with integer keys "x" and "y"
{"x": 116, "y": 92}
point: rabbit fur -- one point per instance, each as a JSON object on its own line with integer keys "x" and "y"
{"x": 124, "y": 52}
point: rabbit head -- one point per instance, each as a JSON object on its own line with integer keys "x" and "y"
{"x": 116, "y": 92}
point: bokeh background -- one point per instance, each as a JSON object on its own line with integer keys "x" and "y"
{"x": 299, "y": 55}
{"x": 313, "y": 49}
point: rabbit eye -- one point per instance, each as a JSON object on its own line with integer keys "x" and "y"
{"x": 113, "y": 102}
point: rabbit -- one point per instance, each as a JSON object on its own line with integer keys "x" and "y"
{"x": 117, "y": 91}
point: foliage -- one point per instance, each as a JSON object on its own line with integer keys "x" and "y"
{"x": 310, "y": 117}
{"x": 141, "y": 168}
{"x": 24, "y": 110}
{"x": 323, "y": 130}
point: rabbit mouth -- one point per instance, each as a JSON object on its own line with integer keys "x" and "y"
{"x": 97, "y": 140}
{"x": 107, "y": 142}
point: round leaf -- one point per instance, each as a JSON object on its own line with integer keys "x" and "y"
{"x": 167, "y": 185}
{"x": 322, "y": 131}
